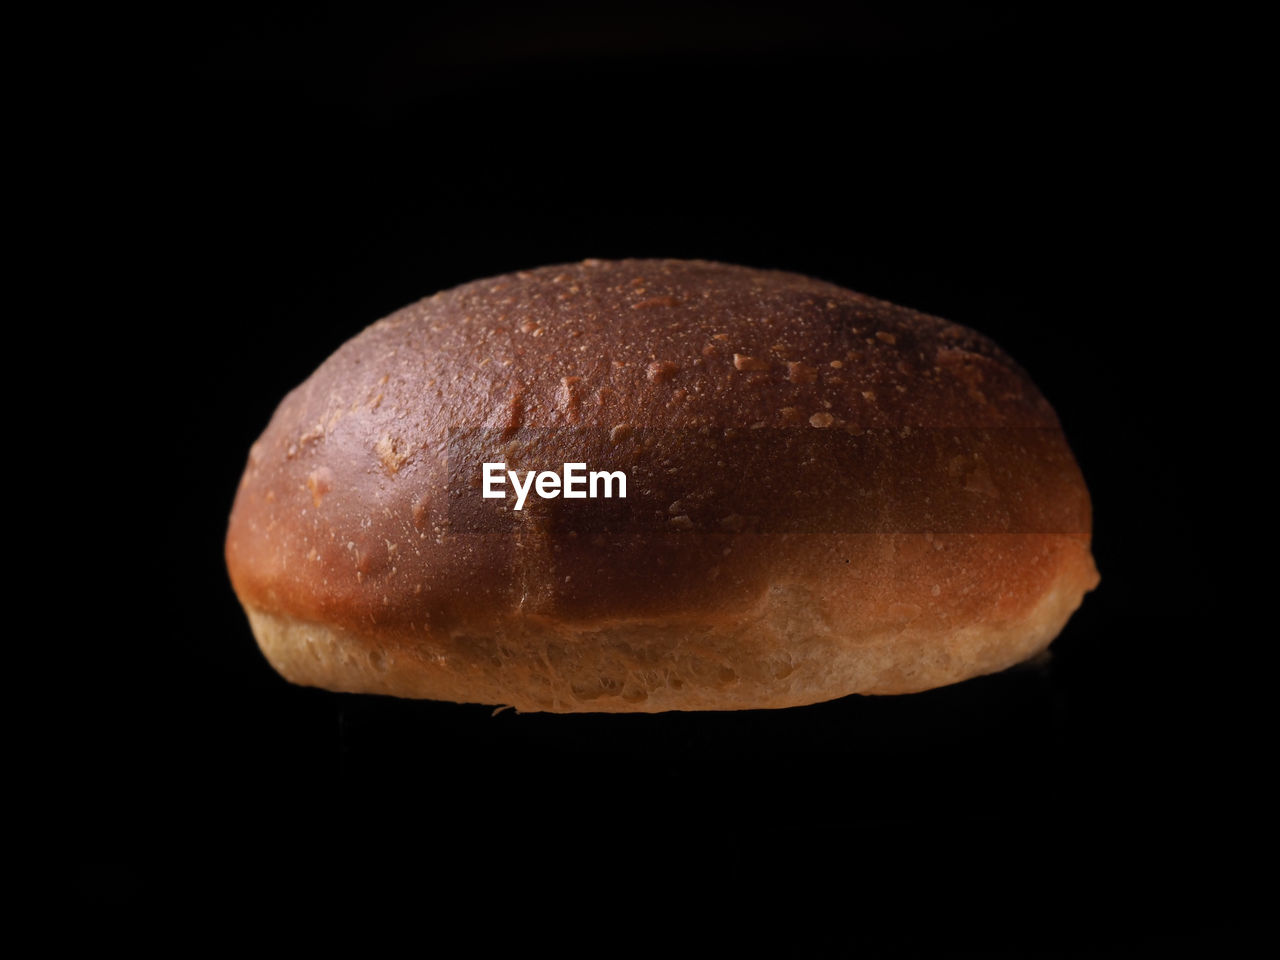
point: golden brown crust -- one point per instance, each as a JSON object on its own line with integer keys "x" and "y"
{"x": 828, "y": 494}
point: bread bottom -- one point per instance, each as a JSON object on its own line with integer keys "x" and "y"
{"x": 785, "y": 653}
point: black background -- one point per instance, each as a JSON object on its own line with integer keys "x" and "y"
{"x": 305, "y": 170}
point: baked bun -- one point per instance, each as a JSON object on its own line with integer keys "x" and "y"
{"x": 826, "y": 494}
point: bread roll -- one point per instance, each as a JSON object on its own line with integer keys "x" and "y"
{"x": 827, "y": 494}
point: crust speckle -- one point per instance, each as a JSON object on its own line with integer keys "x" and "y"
{"x": 828, "y": 494}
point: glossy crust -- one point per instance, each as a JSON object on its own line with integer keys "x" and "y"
{"x": 828, "y": 494}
